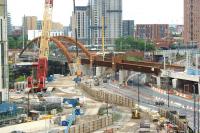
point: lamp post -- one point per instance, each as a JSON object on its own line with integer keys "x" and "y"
{"x": 167, "y": 93}
{"x": 167, "y": 82}
{"x": 28, "y": 109}
{"x": 74, "y": 3}
{"x": 138, "y": 91}
{"x": 45, "y": 111}
{"x": 194, "y": 120}
{"x": 198, "y": 114}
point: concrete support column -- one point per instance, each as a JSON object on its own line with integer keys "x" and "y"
{"x": 174, "y": 83}
{"x": 122, "y": 75}
{"x": 85, "y": 69}
{"x": 148, "y": 78}
{"x": 72, "y": 68}
{"x": 125, "y": 74}
{"x": 98, "y": 71}
{"x": 158, "y": 81}
{"x": 198, "y": 89}
{"x": 103, "y": 70}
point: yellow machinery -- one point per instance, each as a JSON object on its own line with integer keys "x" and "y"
{"x": 135, "y": 113}
{"x": 78, "y": 69}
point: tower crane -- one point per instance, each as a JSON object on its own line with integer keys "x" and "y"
{"x": 37, "y": 81}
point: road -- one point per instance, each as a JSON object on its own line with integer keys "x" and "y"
{"x": 148, "y": 96}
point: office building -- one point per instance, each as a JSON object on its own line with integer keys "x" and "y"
{"x": 39, "y": 25}
{"x": 191, "y": 21}
{"x": 128, "y": 28}
{"x": 9, "y": 24}
{"x": 4, "y": 78}
{"x": 67, "y": 31}
{"x": 111, "y": 12}
{"x": 153, "y": 32}
{"x": 81, "y": 24}
{"x": 29, "y": 23}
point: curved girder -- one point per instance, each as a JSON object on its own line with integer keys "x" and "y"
{"x": 30, "y": 43}
{"x": 73, "y": 41}
{"x": 63, "y": 49}
{"x": 58, "y": 44}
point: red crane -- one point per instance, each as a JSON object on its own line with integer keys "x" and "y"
{"x": 37, "y": 80}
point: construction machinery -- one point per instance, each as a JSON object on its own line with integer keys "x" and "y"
{"x": 135, "y": 113}
{"x": 37, "y": 80}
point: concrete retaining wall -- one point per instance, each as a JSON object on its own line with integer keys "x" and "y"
{"x": 102, "y": 96}
{"x": 174, "y": 118}
{"x": 91, "y": 126}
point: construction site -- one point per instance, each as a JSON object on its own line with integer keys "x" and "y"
{"x": 99, "y": 92}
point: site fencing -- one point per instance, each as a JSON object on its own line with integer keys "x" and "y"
{"x": 91, "y": 126}
{"x": 107, "y": 97}
{"x": 182, "y": 124}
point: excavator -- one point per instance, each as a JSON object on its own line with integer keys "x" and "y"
{"x": 37, "y": 80}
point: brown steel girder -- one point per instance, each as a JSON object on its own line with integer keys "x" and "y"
{"x": 73, "y": 41}
{"x": 61, "y": 46}
{"x": 125, "y": 66}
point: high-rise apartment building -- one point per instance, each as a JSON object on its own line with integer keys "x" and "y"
{"x": 81, "y": 23}
{"x": 9, "y": 24}
{"x": 152, "y": 32}
{"x": 29, "y": 23}
{"x": 128, "y": 28}
{"x": 191, "y": 21}
{"x": 4, "y": 79}
{"x": 111, "y": 12}
{"x": 67, "y": 31}
{"x": 90, "y": 20}
{"x": 39, "y": 25}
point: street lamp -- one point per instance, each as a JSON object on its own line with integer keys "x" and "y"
{"x": 74, "y": 3}
{"x": 198, "y": 114}
{"x": 28, "y": 109}
{"x": 167, "y": 82}
{"x": 194, "y": 121}
{"x": 138, "y": 91}
{"x": 167, "y": 93}
{"x": 45, "y": 110}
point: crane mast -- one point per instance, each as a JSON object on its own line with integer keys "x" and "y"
{"x": 46, "y": 28}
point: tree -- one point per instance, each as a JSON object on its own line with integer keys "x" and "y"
{"x": 16, "y": 42}
{"x": 130, "y": 43}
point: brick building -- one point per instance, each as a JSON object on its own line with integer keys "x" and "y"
{"x": 191, "y": 21}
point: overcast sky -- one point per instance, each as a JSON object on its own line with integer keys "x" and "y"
{"x": 142, "y": 11}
